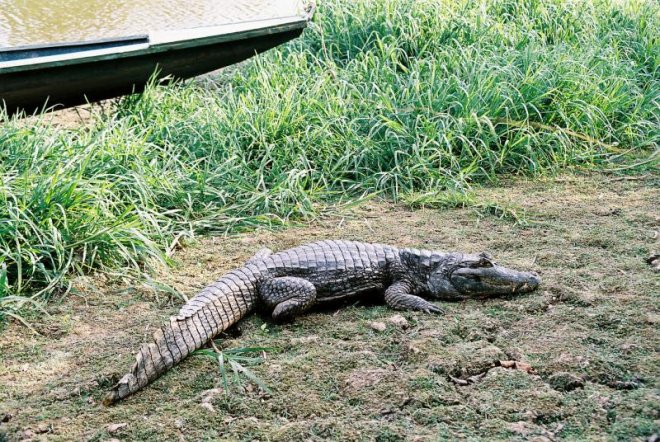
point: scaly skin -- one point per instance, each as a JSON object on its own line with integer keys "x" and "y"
{"x": 292, "y": 281}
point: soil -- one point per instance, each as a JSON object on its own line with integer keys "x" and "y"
{"x": 575, "y": 360}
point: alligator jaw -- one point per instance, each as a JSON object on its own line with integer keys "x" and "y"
{"x": 493, "y": 281}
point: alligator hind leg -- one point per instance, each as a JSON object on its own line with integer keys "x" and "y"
{"x": 398, "y": 296}
{"x": 288, "y": 295}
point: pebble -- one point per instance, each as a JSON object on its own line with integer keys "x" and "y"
{"x": 399, "y": 321}
{"x": 208, "y": 406}
{"x": 114, "y": 428}
{"x": 305, "y": 340}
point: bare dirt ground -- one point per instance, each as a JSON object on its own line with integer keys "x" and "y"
{"x": 582, "y": 350}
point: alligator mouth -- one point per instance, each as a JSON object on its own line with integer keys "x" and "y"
{"x": 493, "y": 281}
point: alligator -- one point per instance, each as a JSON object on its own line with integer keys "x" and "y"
{"x": 291, "y": 281}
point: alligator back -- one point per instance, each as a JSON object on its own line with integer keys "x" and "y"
{"x": 336, "y": 268}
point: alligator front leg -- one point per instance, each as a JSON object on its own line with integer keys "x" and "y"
{"x": 398, "y": 296}
{"x": 288, "y": 295}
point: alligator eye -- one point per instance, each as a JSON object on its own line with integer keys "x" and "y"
{"x": 482, "y": 263}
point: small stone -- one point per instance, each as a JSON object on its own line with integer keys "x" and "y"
{"x": 629, "y": 347}
{"x": 654, "y": 261}
{"x": 305, "y": 340}
{"x": 564, "y": 381}
{"x": 508, "y": 364}
{"x": 208, "y": 406}
{"x": 518, "y": 365}
{"x": 274, "y": 369}
{"x": 399, "y": 321}
{"x": 652, "y": 318}
{"x": 531, "y": 415}
{"x": 412, "y": 349}
{"x": 514, "y": 353}
{"x": 114, "y": 428}
{"x": 28, "y": 434}
{"x": 520, "y": 427}
{"x": 42, "y": 428}
{"x": 60, "y": 394}
{"x": 207, "y": 398}
{"x": 603, "y": 401}
{"x": 524, "y": 366}
{"x": 607, "y": 211}
{"x": 378, "y": 326}
{"x": 6, "y": 417}
{"x": 178, "y": 423}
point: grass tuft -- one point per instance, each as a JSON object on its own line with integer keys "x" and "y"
{"x": 453, "y": 199}
{"x": 238, "y": 359}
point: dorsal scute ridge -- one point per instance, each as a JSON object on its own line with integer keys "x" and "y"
{"x": 198, "y": 302}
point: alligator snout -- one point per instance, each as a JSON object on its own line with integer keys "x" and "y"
{"x": 531, "y": 283}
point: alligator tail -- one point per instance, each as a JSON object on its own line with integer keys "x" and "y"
{"x": 212, "y": 311}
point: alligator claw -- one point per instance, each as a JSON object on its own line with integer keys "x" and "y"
{"x": 434, "y": 309}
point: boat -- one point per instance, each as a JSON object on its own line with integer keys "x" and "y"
{"x": 55, "y": 76}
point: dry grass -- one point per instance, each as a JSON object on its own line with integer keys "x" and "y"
{"x": 333, "y": 376}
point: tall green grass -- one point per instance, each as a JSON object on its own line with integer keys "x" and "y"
{"x": 378, "y": 97}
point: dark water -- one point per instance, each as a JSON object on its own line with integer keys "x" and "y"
{"x": 46, "y": 21}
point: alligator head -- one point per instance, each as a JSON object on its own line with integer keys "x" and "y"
{"x": 456, "y": 276}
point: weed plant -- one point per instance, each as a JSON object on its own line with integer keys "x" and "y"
{"x": 384, "y": 97}
{"x": 238, "y": 359}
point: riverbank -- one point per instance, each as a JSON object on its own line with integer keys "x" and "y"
{"x": 378, "y": 98}
{"x": 589, "y": 335}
